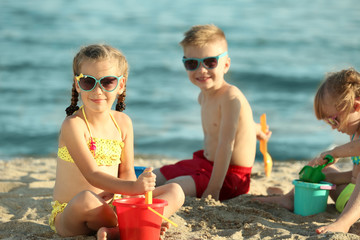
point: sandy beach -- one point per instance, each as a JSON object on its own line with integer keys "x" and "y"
{"x": 26, "y": 192}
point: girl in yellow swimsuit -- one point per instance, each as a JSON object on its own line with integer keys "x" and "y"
{"x": 96, "y": 152}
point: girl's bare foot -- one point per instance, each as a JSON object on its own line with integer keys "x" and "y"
{"x": 108, "y": 233}
{"x": 164, "y": 227}
{"x": 334, "y": 227}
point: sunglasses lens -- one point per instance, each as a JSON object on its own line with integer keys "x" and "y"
{"x": 210, "y": 62}
{"x": 333, "y": 122}
{"x": 87, "y": 83}
{"x": 109, "y": 83}
{"x": 191, "y": 65}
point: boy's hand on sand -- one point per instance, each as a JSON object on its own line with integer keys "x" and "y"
{"x": 145, "y": 182}
{"x": 214, "y": 194}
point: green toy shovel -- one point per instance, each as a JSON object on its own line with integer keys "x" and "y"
{"x": 314, "y": 174}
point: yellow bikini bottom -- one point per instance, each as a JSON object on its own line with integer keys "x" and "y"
{"x": 57, "y": 208}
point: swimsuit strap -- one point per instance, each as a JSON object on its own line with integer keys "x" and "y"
{"x": 86, "y": 121}
{"x": 355, "y": 159}
{"x": 117, "y": 126}
{"x": 92, "y": 142}
{"x": 88, "y": 126}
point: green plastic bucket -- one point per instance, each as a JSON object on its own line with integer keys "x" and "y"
{"x": 311, "y": 198}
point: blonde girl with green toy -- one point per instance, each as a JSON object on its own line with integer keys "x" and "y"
{"x": 96, "y": 151}
{"x": 337, "y": 102}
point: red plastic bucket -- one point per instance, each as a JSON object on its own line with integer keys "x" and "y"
{"x": 136, "y": 221}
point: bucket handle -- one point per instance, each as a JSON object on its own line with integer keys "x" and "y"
{"x": 163, "y": 217}
{"x": 327, "y": 187}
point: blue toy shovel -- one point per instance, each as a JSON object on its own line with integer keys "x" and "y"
{"x": 314, "y": 174}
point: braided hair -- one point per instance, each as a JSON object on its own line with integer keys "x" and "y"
{"x": 120, "y": 105}
{"x": 98, "y": 52}
{"x": 74, "y": 99}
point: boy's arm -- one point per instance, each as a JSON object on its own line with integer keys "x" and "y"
{"x": 230, "y": 112}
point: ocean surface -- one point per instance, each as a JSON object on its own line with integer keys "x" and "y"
{"x": 279, "y": 50}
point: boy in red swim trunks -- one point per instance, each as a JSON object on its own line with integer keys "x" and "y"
{"x": 223, "y": 168}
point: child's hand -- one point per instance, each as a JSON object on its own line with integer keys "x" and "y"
{"x": 320, "y": 160}
{"x": 260, "y": 135}
{"x": 214, "y": 194}
{"x": 316, "y": 161}
{"x": 145, "y": 182}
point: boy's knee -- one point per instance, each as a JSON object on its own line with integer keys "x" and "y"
{"x": 160, "y": 179}
{"x": 177, "y": 191}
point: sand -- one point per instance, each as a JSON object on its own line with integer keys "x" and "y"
{"x": 26, "y": 192}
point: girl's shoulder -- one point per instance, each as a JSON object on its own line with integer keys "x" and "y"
{"x": 121, "y": 118}
{"x": 72, "y": 123}
{"x": 124, "y": 122}
{"x": 71, "y": 127}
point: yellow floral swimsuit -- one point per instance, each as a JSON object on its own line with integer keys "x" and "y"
{"x": 107, "y": 152}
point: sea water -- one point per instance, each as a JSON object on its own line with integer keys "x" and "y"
{"x": 279, "y": 50}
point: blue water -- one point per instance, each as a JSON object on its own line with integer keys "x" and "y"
{"x": 280, "y": 51}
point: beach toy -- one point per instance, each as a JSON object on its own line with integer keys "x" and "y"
{"x": 148, "y": 195}
{"x": 263, "y": 148}
{"x": 136, "y": 221}
{"x": 311, "y": 198}
{"x": 163, "y": 217}
{"x": 139, "y": 170}
{"x": 149, "y": 200}
{"x": 314, "y": 174}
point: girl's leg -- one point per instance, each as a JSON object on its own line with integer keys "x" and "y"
{"x": 175, "y": 197}
{"x": 84, "y": 215}
{"x": 349, "y": 216}
{"x": 173, "y": 194}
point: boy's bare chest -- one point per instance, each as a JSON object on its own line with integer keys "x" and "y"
{"x": 210, "y": 115}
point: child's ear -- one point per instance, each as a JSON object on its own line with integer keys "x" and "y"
{"x": 227, "y": 65}
{"x": 76, "y": 85}
{"x": 357, "y": 104}
{"x": 122, "y": 83}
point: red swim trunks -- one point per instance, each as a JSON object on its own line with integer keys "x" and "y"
{"x": 237, "y": 180}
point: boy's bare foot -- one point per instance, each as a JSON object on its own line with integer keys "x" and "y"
{"x": 274, "y": 191}
{"x": 108, "y": 233}
{"x": 285, "y": 201}
{"x": 334, "y": 227}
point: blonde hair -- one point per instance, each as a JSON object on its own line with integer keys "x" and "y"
{"x": 98, "y": 52}
{"x": 343, "y": 87}
{"x": 201, "y": 35}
